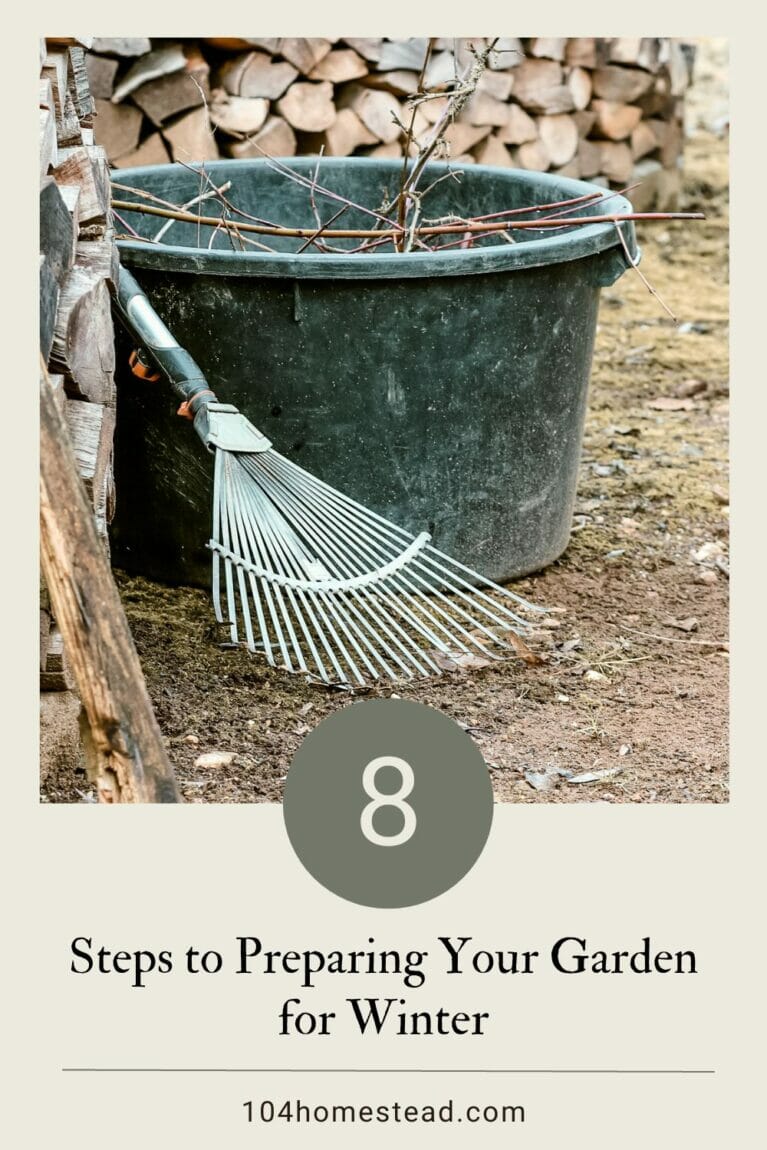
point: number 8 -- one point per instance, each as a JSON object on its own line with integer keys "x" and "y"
{"x": 382, "y": 800}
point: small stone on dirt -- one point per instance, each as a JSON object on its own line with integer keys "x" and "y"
{"x": 670, "y": 403}
{"x": 214, "y": 759}
{"x": 595, "y": 676}
{"x": 690, "y": 624}
{"x": 689, "y": 388}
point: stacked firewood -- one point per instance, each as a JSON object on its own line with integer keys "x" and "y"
{"x": 77, "y": 261}
{"x": 605, "y": 110}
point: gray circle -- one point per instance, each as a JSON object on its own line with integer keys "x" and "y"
{"x": 335, "y": 823}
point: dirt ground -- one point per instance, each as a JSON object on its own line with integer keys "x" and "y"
{"x": 633, "y": 678}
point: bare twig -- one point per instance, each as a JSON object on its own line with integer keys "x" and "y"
{"x": 635, "y": 265}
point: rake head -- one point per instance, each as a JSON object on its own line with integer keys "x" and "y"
{"x": 322, "y": 586}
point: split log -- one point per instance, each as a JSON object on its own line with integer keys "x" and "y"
{"x": 236, "y": 115}
{"x": 125, "y": 752}
{"x": 621, "y": 85}
{"x": 570, "y": 171}
{"x": 369, "y": 47}
{"x": 551, "y": 48}
{"x": 46, "y": 624}
{"x": 118, "y": 127}
{"x": 589, "y": 158}
{"x": 308, "y": 106}
{"x": 519, "y": 128}
{"x": 99, "y": 257}
{"x": 615, "y": 161}
{"x": 533, "y": 156}
{"x": 101, "y": 75}
{"x": 398, "y": 82}
{"x": 386, "y": 152}
{"x": 659, "y": 188}
{"x": 154, "y": 65}
{"x": 91, "y": 431}
{"x": 403, "y": 54}
{"x": 121, "y": 46}
{"x": 83, "y": 340}
{"x": 668, "y": 135}
{"x": 460, "y": 137}
{"x": 559, "y": 136}
{"x": 57, "y": 233}
{"x": 304, "y": 53}
{"x": 345, "y": 134}
{"x": 164, "y": 98}
{"x": 644, "y": 52}
{"x": 56, "y": 674}
{"x": 507, "y": 53}
{"x": 86, "y": 168}
{"x": 584, "y": 121}
{"x": 256, "y": 76}
{"x": 496, "y": 84}
{"x": 677, "y": 67}
{"x": 46, "y": 93}
{"x": 615, "y": 121}
{"x": 151, "y": 151}
{"x": 440, "y": 70}
{"x": 658, "y": 101}
{"x": 237, "y": 43}
{"x": 539, "y": 86}
{"x": 79, "y": 86}
{"x": 492, "y": 151}
{"x": 48, "y": 306}
{"x": 68, "y": 129}
{"x": 643, "y": 140}
{"x": 579, "y": 83}
{"x": 276, "y": 138}
{"x": 339, "y": 66}
{"x": 190, "y": 138}
{"x": 376, "y": 109}
{"x": 581, "y": 52}
{"x": 432, "y": 110}
{"x": 56, "y": 70}
{"x": 482, "y": 108}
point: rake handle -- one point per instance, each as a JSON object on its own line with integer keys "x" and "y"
{"x": 185, "y": 376}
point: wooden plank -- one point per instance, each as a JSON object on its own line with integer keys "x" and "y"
{"x": 83, "y": 339}
{"x": 126, "y": 757}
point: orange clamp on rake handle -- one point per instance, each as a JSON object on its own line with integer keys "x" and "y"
{"x": 141, "y": 367}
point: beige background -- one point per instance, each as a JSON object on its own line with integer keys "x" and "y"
{"x": 152, "y": 877}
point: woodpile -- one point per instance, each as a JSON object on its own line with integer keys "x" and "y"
{"x": 606, "y": 110}
{"x": 77, "y": 261}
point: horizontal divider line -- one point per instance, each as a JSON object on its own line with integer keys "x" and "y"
{"x": 356, "y": 1070}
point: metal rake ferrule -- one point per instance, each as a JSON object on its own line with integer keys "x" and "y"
{"x": 321, "y": 585}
